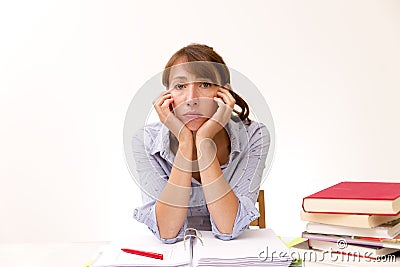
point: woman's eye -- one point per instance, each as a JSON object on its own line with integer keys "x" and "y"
{"x": 205, "y": 85}
{"x": 179, "y": 86}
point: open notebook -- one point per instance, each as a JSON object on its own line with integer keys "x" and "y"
{"x": 255, "y": 247}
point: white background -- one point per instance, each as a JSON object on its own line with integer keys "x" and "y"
{"x": 329, "y": 71}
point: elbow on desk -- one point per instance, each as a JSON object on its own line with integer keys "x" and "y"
{"x": 226, "y": 228}
{"x": 227, "y": 231}
{"x": 168, "y": 235}
{"x": 224, "y": 235}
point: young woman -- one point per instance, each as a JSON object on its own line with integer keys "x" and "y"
{"x": 201, "y": 165}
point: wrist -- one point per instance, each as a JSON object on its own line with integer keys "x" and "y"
{"x": 186, "y": 143}
{"x": 203, "y": 139}
{"x": 185, "y": 137}
{"x": 186, "y": 147}
{"x": 205, "y": 145}
{"x": 200, "y": 137}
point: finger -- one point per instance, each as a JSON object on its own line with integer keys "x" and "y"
{"x": 167, "y": 92}
{"x": 161, "y": 99}
{"x": 224, "y": 90}
{"x": 227, "y": 88}
{"x": 226, "y": 99}
{"x": 163, "y": 94}
{"x": 167, "y": 103}
{"x": 222, "y": 108}
{"x": 227, "y": 92}
{"x": 219, "y": 100}
{"x": 163, "y": 108}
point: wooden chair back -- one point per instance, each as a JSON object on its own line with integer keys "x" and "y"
{"x": 260, "y": 222}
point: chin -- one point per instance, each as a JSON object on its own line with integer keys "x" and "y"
{"x": 194, "y": 125}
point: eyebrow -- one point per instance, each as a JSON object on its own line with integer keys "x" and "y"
{"x": 184, "y": 78}
{"x": 179, "y": 78}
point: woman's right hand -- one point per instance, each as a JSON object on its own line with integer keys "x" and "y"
{"x": 162, "y": 106}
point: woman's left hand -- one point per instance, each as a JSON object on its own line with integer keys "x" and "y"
{"x": 221, "y": 117}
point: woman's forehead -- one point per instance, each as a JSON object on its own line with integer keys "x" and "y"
{"x": 186, "y": 76}
{"x": 192, "y": 72}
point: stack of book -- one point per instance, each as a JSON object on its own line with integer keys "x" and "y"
{"x": 359, "y": 220}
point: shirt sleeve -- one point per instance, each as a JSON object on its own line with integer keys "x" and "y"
{"x": 246, "y": 183}
{"x": 147, "y": 214}
{"x": 152, "y": 179}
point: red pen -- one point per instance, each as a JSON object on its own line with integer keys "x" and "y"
{"x": 144, "y": 253}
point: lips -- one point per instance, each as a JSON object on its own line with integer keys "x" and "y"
{"x": 192, "y": 115}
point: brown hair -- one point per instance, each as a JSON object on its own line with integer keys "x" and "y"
{"x": 199, "y": 52}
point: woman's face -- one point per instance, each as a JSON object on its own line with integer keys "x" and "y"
{"x": 193, "y": 96}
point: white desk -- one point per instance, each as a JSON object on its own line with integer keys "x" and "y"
{"x": 75, "y": 254}
{"x": 48, "y": 254}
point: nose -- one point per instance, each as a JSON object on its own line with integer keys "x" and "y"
{"x": 192, "y": 97}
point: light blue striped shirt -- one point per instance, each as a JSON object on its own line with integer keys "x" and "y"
{"x": 243, "y": 171}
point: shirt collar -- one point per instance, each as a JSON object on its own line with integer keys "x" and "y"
{"x": 233, "y": 128}
{"x": 161, "y": 142}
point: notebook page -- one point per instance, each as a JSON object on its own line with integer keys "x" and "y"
{"x": 174, "y": 255}
{"x": 250, "y": 244}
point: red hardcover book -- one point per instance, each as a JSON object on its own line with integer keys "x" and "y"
{"x": 373, "y": 198}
